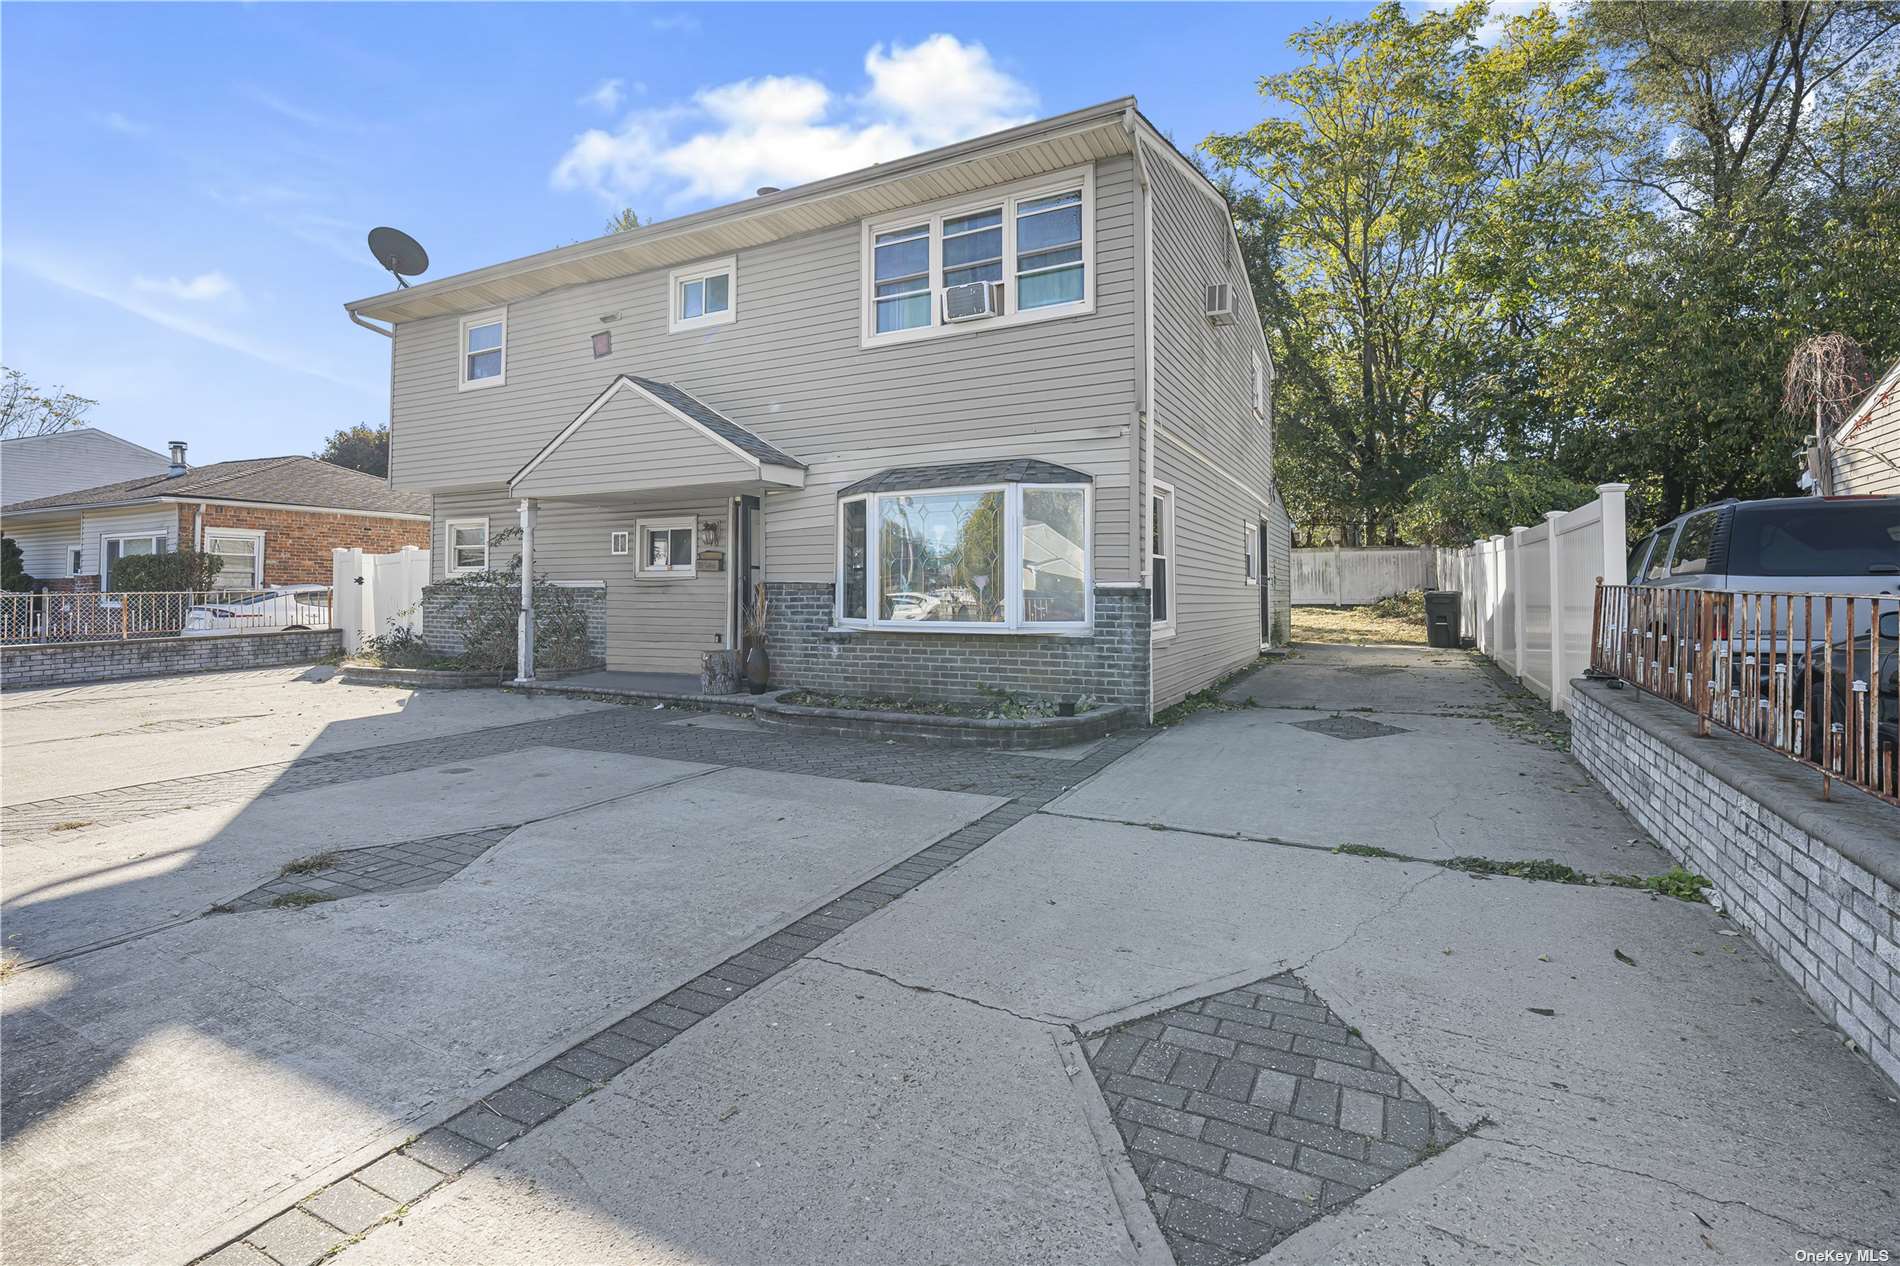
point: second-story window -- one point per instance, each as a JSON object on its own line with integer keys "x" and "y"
{"x": 704, "y": 294}
{"x": 1031, "y": 243}
{"x": 484, "y": 353}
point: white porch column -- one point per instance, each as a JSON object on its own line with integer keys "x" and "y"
{"x": 524, "y": 630}
{"x": 1559, "y": 685}
{"x": 1517, "y": 610}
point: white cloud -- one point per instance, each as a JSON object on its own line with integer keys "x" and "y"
{"x": 199, "y": 289}
{"x": 607, "y": 95}
{"x": 788, "y": 129}
{"x": 70, "y": 276}
{"x": 116, "y": 122}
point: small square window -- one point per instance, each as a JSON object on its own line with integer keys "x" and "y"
{"x": 667, "y": 548}
{"x": 704, "y": 294}
{"x": 467, "y": 545}
{"x": 617, "y": 543}
{"x": 76, "y": 559}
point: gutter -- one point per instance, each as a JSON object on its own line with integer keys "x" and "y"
{"x": 818, "y": 190}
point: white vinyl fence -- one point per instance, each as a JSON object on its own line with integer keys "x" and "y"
{"x": 1340, "y": 577}
{"x": 1529, "y": 597}
{"x": 374, "y": 591}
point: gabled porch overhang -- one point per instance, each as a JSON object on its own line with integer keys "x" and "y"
{"x": 647, "y": 440}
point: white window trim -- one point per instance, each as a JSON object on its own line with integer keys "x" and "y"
{"x": 105, "y": 568}
{"x": 934, "y": 214}
{"x": 1252, "y": 546}
{"x": 677, "y": 324}
{"x": 1165, "y": 628}
{"x": 76, "y": 560}
{"x": 644, "y": 569}
{"x": 1259, "y": 387}
{"x": 462, "y": 380}
{"x": 251, "y": 533}
{"x": 1013, "y": 621}
{"x": 448, "y": 546}
{"x": 617, "y": 542}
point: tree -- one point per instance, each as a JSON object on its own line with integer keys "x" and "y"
{"x": 13, "y": 577}
{"x": 1762, "y": 146}
{"x": 360, "y": 447}
{"x": 1402, "y": 219}
{"x": 26, "y": 410}
{"x": 625, "y": 222}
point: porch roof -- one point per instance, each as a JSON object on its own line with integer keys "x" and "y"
{"x": 641, "y": 435}
{"x": 1008, "y": 470}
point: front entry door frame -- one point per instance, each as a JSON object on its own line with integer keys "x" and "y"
{"x": 746, "y": 571}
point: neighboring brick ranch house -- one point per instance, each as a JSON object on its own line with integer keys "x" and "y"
{"x": 274, "y": 521}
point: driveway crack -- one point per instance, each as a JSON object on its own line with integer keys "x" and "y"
{"x": 942, "y": 993}
{"x": 1678, "y": 1187}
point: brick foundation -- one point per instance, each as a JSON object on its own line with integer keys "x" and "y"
{"x": 297, "y": 543}
{"x": 70, "y": 663}
{"x": 442, "y": 616}
{"x": 1108, "y": 664}
{"x": 1815, "y": 882}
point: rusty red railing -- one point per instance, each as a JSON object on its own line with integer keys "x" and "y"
{"x": 1809, "y": 675}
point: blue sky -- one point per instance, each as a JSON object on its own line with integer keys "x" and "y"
{"x": 187, "y": 187}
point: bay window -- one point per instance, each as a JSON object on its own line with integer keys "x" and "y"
{"x": 1033, "y": 241}
{"x": 993, "y": 557}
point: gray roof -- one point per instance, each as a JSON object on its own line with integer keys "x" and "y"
{"x": 298, "y": 481}
{"x": 1008, "y": 470}
{"x": 716, "y": 422}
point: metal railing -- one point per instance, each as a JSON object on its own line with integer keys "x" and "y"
{"x": 48, "y": 617}
{"x": 1809, "y": 675}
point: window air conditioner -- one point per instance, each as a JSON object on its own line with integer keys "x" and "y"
{"x": 972, "y": 301}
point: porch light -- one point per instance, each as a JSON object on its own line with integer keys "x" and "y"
{"x": 709, "y": 532}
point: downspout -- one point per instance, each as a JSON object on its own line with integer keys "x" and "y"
{"x": 1145, "y": 380}
{"x": 389, "y": 476}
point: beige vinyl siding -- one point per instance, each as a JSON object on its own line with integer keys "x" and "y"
{"x": 1859, "y": 468}
{"x": 791, "y": 369}
{"x": 159, "y": 520}
{"x": 1209, "y": 444}
{"x": 653, "y": 625}
{"x": 38, "y": 466}
{"x": 631, "y": 444}
{"x": 1278, "y": 550}
{"x": 43, "y": 546}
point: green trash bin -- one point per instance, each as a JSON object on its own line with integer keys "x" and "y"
{"x": 1442, "y": 618}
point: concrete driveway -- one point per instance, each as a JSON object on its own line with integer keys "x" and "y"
{"x": 624, "y": 986}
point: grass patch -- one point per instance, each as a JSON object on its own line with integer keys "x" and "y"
{"x": 310, "y": 865}
{"x": 1388, "y": 620}
{"x": 298, "y": 900}
{"x": 1544, "y": 870}
{"x": 1683, "y": 885}
{"x": 1369, "y": 850}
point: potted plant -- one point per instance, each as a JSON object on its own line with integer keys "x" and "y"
{"x": 758, "y": 665}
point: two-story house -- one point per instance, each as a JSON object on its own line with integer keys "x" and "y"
{"x": 996, "y": 416}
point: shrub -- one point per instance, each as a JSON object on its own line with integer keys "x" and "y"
{"x": 185, "y": 571}
{"x": 401, "y": 647}
{"x": 488, "y": 603}
{"x": 13, "y": 577}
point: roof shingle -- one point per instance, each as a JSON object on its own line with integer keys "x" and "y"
{"x": 300, "y": 481}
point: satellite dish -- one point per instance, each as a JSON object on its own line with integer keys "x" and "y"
{"x": 399, "y": 253}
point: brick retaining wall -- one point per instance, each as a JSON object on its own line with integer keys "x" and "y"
{"x": 70, "y": 663}
{"x": 442, "y": 609}
{"x": 1815, "y": 882}
{"x": 1108, "y": 664}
